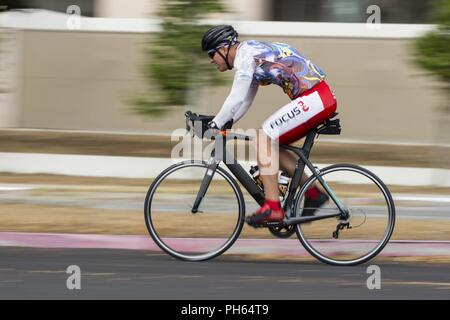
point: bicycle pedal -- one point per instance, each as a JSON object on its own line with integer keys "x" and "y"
{"x": 255, "y": 224}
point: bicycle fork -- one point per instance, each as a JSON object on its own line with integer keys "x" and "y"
{"x": 209, "y": 174}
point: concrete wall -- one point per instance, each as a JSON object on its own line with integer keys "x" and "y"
{"x": 11, "y": 48}
{"x": 79, "y": 80}
{"x": 123, "y": 9}
{"x": 239, "y": 10}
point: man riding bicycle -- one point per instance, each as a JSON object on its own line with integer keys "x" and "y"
{"x": 263, "y": 63}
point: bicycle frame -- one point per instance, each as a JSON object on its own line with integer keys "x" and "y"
{"x": 258, "y": 195}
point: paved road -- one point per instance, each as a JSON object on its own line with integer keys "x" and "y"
{"x": 114, "y": 274}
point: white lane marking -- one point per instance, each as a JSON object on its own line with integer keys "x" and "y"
{"x": 6, "y": 187}
{"x": 443, "y": 199}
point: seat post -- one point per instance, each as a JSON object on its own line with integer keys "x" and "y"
{"x": 309, "y": 142}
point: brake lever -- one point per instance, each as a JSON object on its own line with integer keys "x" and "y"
{"x": 188, "y": 126}
{"x": 188, "y": 114}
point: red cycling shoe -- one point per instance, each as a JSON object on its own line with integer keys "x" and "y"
{"x": 266, "y": 213}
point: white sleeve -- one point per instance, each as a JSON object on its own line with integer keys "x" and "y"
{"x": 247, "y": 102}
{"x": 243, "y": 90}
{"x": 239, "y": 91}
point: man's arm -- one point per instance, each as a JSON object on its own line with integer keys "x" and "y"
{"x": 247, "y": 102}
{"x": 239, "y": 92}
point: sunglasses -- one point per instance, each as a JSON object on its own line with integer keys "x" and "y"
{"x": 212, "y": 53}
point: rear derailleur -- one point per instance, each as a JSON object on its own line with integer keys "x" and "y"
{"x": 339, "y": 227}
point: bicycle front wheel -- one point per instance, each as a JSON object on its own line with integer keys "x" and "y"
{"x": 194, "y": 236}
{"x": 367, "y": 230}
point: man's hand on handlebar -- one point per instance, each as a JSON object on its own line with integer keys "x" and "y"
{"x": 212, "y": 125}
{"x": 203, "y": 127}
{"x": 212, "y": 131}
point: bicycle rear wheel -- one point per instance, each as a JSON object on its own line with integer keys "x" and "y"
{"x": 194, "y": 236}
{"x": 371, "y": 222}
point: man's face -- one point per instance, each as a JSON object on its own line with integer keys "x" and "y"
{"x": 217, "y": 60}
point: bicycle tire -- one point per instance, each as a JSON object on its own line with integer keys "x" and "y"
{"x": 390, "y": 224}
{"x": 153, "y": 232}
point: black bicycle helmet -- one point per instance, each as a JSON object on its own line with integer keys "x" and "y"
{"x": 218, "y": 35}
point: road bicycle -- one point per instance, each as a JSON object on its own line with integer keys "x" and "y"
{"x": 195, "y": 210}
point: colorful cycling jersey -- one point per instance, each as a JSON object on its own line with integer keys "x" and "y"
{"x": 281, "y": 64}
{"x": 262, "y": 63}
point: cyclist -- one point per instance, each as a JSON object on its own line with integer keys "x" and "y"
{"x": 262, "y": 63}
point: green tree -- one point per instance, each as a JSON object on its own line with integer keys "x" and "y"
{"x": 433, "y": 49}
{"x": 175, "y": 64}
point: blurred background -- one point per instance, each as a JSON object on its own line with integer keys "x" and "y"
{"x": 91, "y": 91}
{"x": 394, "y": 11}
{"x": 84, "y": 78}
{"x": 116, "y": 82}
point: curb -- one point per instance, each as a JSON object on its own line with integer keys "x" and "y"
{"x": 142, "y": 167}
